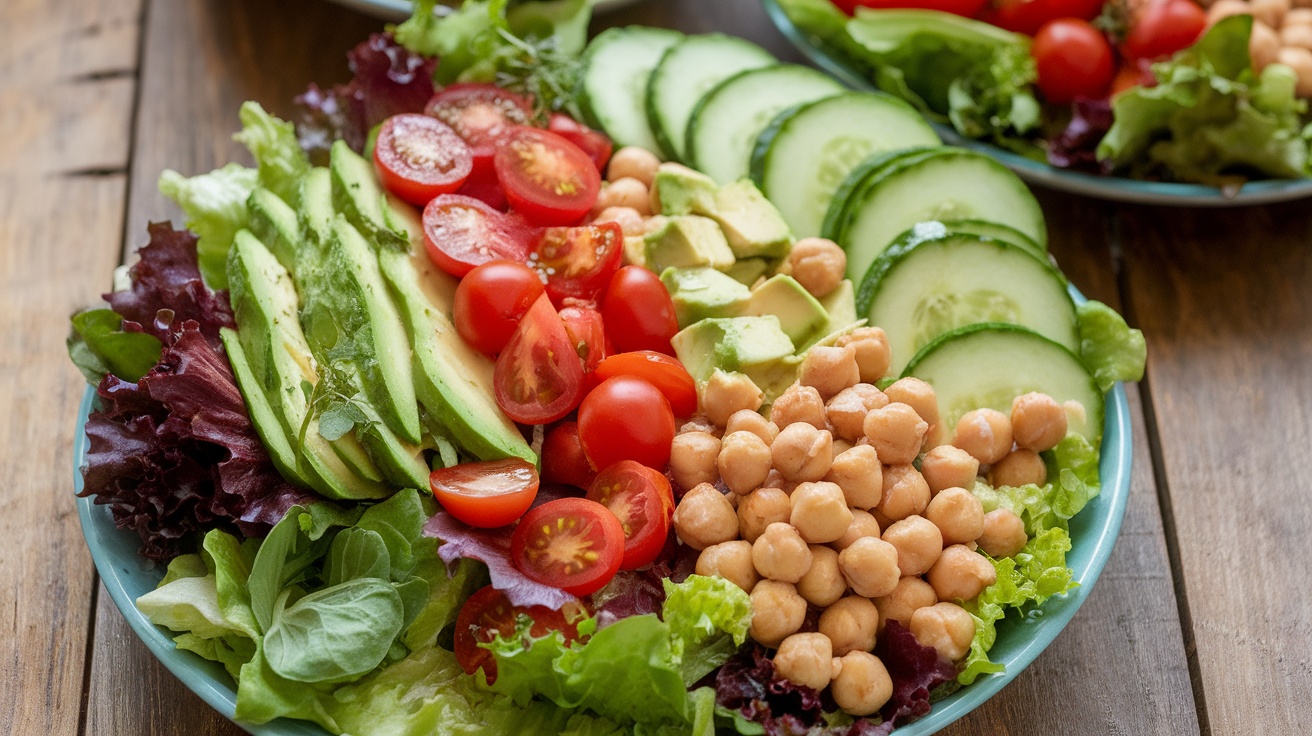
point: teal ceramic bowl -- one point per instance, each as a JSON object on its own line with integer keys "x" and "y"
{"x": 1041, "y": 174}
{"x": 1093, "y": 532}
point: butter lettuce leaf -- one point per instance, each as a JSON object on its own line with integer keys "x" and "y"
{"x": 215, "y": 205}
{"x": 1111, "y": 349}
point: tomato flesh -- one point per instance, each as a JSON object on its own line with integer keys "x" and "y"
{"x": 639, "y": 312}
{"x": 489, "y": 614}
{"x": 626, "y": 418}
{"x": 570, "y": 543}
{"x": 538, "y": 377}
{"x": 1074, "y": 60}
{"x": 642, "y": 499}
{"x": 491, "y": 300}
{"x": 563, "y": 460}
{"x": 418, "y": 158}
{"x": 479, "y": 113}
{"x": 578, "y": 262}
{"x": 461, "y": 233}
{"x": 486, "y": 494}
{"x": 595, "y": 143}
{"x": 665, "y": 373}
{"x": 586, "y": 333}
{"x": 545, "y": 177}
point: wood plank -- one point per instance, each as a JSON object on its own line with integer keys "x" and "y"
{"x": 66, "y": 84}
{"x": 1224, "y": 298}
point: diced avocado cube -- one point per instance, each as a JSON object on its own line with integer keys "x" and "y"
{"x": 800, "y": 315}
{"x": 635, "y": 250}
{"x": 751, "y": 224}
{"x": 841, "y": 306}
{"x": 681, "y": 191}
{"x": 687, "y": 241}
{"x": 699, "y": 293}
{"x": 747, "y": 271}
{"x": 754, "y": 346}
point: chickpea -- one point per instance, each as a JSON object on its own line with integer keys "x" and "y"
{"x": 947, "y": 627}
{"x": 627, "y": 218}
{"x": 863, "y": 525}
{"x": 705, "y": 517}
{"x": 918, "y": 543}
{"x": 823, "y": 582}
{"x": 820, "y": 512}
{"x": 829, "y": 370}
{"x": 851, "y": 624}
{"x": 692, "y": 458}
{"x": 777, "y": 611}
{"x": 726, "y": 393}
{"x": 905, "y": 493}
{"x": 920, "y": 396}
{"x": 872, "y": 353}
{"x": 1038, "y": 422}
{"x": 870, "y": 567}
{"x": 626, "y": 192}
{"x": 761, "y": 508}
{"x": 848, "y": 408}
{"x": 1270, "y": 12}
{"x": 947, "y": 466}
{"x": 883, "y": 521}
{"x": 818, "y": 265}
{"x": 961, "y": 574}
{"x": 781, "y": 554}
{"x": 838, "y": 447}
{"x": 1019, "y": 468}
{"x": 731, "y": 561}
{"x": 1300, "y": 60}
{"x": 861, "y": 476}
{"x": 744, "y": 462}
{"x": 985, "y": 434}
{"x": 896, "y": 432}
{"x": 802, "y": 452}
{"x": 910, "y": 595}
{"x": 1223, "y": 9}
{"x": 1003, "y": 535}
{"x": 1297, "y": 35}
{"x": 1298, "y": 16}
{"x": 958, "y": 515}
{"x": 799, "y": 404}
{"x": 747, "y": 420}
{"x": 633, "y": 162}
{"x": 699, "y": 423}
{"x": 1263, "y": 45}
{"x": 862, "y": 686}
{"x": 805, "y": 659}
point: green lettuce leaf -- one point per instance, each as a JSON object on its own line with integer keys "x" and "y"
{"x": 995, "y": 101}
{"x": 1073, "y": 482}
{"x": 215, "y": 207}
{"x": 819, "y": 18}
{"x": 1111, "y": 349}
{"x": 708, "y": 619}
{"x": 98, "y": 346}
{"x": 281, "y": 164}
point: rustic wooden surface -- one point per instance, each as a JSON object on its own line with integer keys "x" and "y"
{"x": 1199, "y": 623}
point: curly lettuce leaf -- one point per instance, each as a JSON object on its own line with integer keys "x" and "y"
{"x": 708, "y": 619}
{"x": 215, "y": 205}
{"x": 1073, "y": 482}
{"x": 1111, "y": 349}
{"x": 281, "y": 164}
{"x": 995, "y": 100}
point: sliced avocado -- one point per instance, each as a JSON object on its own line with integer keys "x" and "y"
{"x": 800, "y": 315}
{"x": 678, "y": 190}
{"x": 267, "y": 424}
{"x": 275, "y": 224}
{"x": 358, "y": 195}
{"x": 841, "y": 306}
{"x": 755, "y": 346}
{"x": 452, "y": 380}
{"x": 751, "y": 224}
{"x": 699, "y": 293}
{"x": 402, "y": 462}
{"x": 687, "y": 241}
{"x": 747, "y": 271}
{"x": 316, "y": 214}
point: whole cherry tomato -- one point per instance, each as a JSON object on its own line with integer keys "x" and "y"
{"x": 1074, "y": 60}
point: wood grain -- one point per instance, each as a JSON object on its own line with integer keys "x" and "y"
{"x": 1225, "y": 299}
{"x": 66, "y": 83}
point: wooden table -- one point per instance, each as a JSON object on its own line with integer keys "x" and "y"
{"x": 1200, "y": 624}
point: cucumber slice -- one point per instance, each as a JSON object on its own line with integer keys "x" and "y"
{"x": 932, "y": 281}
{"x": 836, "y": 214}
{"x": 614, "y": 85}
{"x": 951, "y": 183}
{"x": 997, "y": 231}
{"x": 688, "y": 70}
{"x": 727, "y": 121}
{"x": 807, "y": 151}
{"x": 988, "y": 365}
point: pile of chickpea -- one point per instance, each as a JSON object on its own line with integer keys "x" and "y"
{"x": 1282, "y": 32}
{"x": 826, "y": 509}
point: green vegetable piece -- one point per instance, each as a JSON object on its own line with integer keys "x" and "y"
{"x": 1111, "y": 349}
{"x": 98, "y": 346}
{"x": 231, "y": 562}
{"x": 357, "y": 553}
{"x": 187, "y": 604}
{"x": 281, "y": 163}
{"x": 335, "y": 634}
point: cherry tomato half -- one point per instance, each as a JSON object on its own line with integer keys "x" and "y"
{"x": 1028, "y": 16}
{"x": 461, "y": 233}
{"x": 418, "y": 158}
{"x": 578, "y": 261}
{"x": 538, "y": 378}
{"x": 546, "y": 178}
{"x": 966, "y": 8}
{"x": 1074, "y": 60}
{"x": 489, "y": 614}
{"x": 665, "y": 373}
{"x": 563, "y": 460}
{"x": 479, "y": 113}
{"x": 586, "y": 332}
{"x": 570, "y": 543}
{"x": 482, "y": 185}
{"x": 593, "y": 142}
{"x": 490, "y": 301}
{"x": 1163, "y": 28}
{"x": 626, "y": 418}
{"x": 641, "y": 498}
{"x": 638, "y": 311}
{"x": 486, "y": 494}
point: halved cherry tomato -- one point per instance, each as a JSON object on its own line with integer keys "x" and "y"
{"x": 586, "y": 333}
{"x": 546, "y": 178}
{"x": 418, "y": 158}
{"x": 638, "y": 311}
{"x": 967, "y": 8}
{"x": 488, "y": 614}
{"x": 1133, "y": 73}
{"x": 1074, "y": 60}
{"x": 570, "y": 543}
{"x": 538, "y": 378}
{"x": 1163, "y": 28}
{"x": 595, "y": 143}
{"x": 1028, "y": 16}
{"x": 578, "y": 261}
{"x": 643, "y": 501}
{"x": 626, "y": 418}
{"x": 479, "y": 113}
{"x": 486, "y": 494}
{"x": 563, "y": 460}
{"x": 490, "y": 301}
{"x": 461, "y": 233}
{"x": 482, "y": 185}
{"x": 665, "y": 373}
